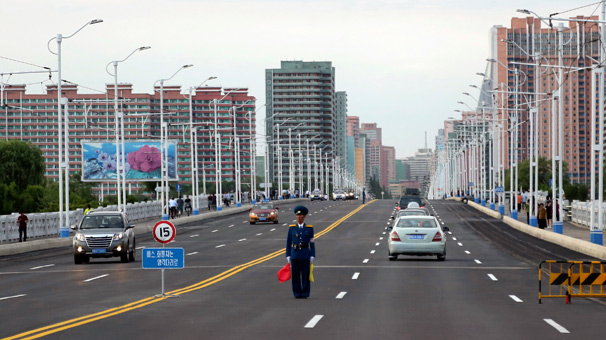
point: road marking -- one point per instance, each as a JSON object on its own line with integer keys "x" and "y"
{"x": 44, "y": 266}
{"x": 478, "y": 261}
{"x": 380, "y": 238}
{"x": 515, "y": 298}
{"x": 194, "y": 253}
{"x": 556, "y": 326}
{"x": 12, "y": 297}
{"x": 467, "y": 252}
{"x": 312, "y": 323}
{"x": 384, "y": 232}
{"x": 285, "y": 224}
{"x": 272, "y": 229}
{"x": 214, "y": 231}
{"x": 259, "y": 234}
{"x": 95, "y": 278}
{"x": 242, "y": 239}
{"x": 460, "y": 244}
{"x": 492, "y": 277}
{"x": 376, "y": 244}
{"x": 233, "y": 225}
{"x": 454, "y": 238}
{"x": 355, "y": 276}
{"x": 365, "y": 261}
{"x": 341, "y": 295}
{"x": 195, "y": 235}
{"x": 139, "y": 248}
{"x": 372, "y": 251}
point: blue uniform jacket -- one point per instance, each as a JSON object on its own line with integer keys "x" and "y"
{"x": 300, "y": 242}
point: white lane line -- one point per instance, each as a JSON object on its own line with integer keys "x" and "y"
{"x": 556, "y": 326}
{"x": 454, "y": 238}
{"x": 450, "y": 233}
{"x": 372, "y": 251}
{"x": 467, "y": 252}
{"x": 515, "y": 298}
{"x": 492, "y": 277}
{"x": 312, "y": 323}
{"x": 341, "y": 295}
{"x": 194, "y": 253}
{"x": 365, "y": 261}
{"x": 259, "y": 234}
{"x": 242, "y": 239}
{"x": 460, "y": 244}
{"x": 244, "y": 222}
{"x": 44, "y": 266}
{"x": 376, "y": 244}
{"x": 285, "y": 224}
{"x": 95, "y": 278}
{"x": 355, "y": 276}
{"x": 219, "y": 246}
{"x": 384, "y": 232}
{"x": 214, "y": 231}
{"x": 274, "y": 229}
{"x": 12, "y": 297}
{"x": 478, "y": 261}
{"x": 380, "y": 238}
{"x": 195, "y": 235}
{"x": 233, "y": 225}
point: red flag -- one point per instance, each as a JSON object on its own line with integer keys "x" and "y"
{"x": 284, "y": 273}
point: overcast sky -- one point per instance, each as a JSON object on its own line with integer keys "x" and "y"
{"x": 404, "y": 64}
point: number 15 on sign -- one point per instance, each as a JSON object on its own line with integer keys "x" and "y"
{"x": 164, "y": 231}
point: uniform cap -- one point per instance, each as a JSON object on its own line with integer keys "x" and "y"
{"x": 301, "y": 210}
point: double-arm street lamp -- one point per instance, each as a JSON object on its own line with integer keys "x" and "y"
{"x": 164, "y": 147}
{"x": 64, "y": 228}
{"x": 119, "y": 119}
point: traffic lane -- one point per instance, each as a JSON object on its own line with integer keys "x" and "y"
{"x": 178, "y": 282}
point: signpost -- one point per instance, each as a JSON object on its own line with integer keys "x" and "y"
{"x": 178, "y": 188}
{"x": 163, "y": 258}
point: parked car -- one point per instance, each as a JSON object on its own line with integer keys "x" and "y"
{"x": 263, "y": 212}
{"x": 338, "y": 194}
{"x": 316, "y": 195}
{"x": 417, "y": 235}
{"x": 104, "y": 234}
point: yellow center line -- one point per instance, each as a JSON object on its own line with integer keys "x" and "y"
{"x": 61, "y": 326}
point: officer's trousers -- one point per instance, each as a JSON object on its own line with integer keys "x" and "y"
{"x": 300, "y": 277}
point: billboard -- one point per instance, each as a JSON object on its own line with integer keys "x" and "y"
{"x": 142, "y": 161}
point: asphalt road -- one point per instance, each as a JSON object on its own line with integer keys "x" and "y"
{"x": 486, "y": 288}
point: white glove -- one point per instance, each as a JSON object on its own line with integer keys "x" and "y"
{"x": 311, "y": 259}
{"x": 288, "y": 259}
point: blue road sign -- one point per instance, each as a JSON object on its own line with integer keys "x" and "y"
{"x": 178, "y": 187}
{"x": 470, "y": 184}
{"x": 499, "y": 189}
{"x": 163, "y": 258}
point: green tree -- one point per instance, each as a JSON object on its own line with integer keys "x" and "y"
{"x": 21, "y": 163}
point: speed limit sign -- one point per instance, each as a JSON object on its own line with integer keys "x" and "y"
{"x": 164, "y": 231}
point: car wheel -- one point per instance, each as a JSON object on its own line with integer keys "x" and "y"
{"x": 442, "y": 257}
{"x": 131, "y": 255}
{"x": 251, "y": 222}
{"x": 392, "y": 257}
{"x": 77, "y": 259}
{"x": 276, "y": 222}
{"x": 124, "y": 257}
{"x": 85, "y": 259}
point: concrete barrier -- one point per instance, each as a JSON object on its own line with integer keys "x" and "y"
{"x": 580, "y": 246}
{"x": 485, "y": 210}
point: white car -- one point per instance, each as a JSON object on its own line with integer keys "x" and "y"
{"x": 417, "y": 235}
{"x": 316, "y": 195}
{"x": 338, "y": 195}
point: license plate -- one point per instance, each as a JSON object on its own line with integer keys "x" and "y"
{"x": 262, "y": 219}
{"x": 415, "y": 237}
{"x": 99, "y": 251}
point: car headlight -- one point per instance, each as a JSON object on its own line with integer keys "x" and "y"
{"x": 272, "y": 213}
{"x": 118, "y": 236}
{"x": 80, "y": 237}
{"x": 252, "y": 214}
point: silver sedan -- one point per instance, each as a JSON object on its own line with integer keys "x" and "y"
{"x": 417, "y": 235}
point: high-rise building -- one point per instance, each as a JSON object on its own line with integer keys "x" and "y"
{"x": 301, "y": 108}
{"x": 373, "y": 149}
{"x": 341, "y": 126}
{"x": 388, "y": 165}
{"x": 33, "y": 118}
{"x": 516, "y": 50}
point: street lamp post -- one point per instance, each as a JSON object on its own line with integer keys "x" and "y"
{"x": 119, "y": 120}
{"x": 164, "y": 147}
{"x": 63, "y": 228}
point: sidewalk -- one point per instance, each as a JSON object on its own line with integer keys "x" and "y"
{"x": 141, "y": 227}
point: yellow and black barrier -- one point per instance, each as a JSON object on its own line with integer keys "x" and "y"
{"x": 569, "y": 279}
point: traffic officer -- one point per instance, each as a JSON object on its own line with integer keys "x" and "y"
{"x": 300, "y": 253}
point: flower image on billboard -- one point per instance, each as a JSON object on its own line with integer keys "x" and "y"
{"x": 143, "y": 161}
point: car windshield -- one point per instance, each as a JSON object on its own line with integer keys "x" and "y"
{"x": 416, "y": 223}
{"x": 412, "y": 213}
{"x": 339, "y": 192}
{"x": 262, "y": 206}
{"x": 317, "y": 192}
{"x": 97, "y": 222}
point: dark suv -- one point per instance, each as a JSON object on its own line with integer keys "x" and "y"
{"x": 104, "y": 234}
{"x": 404, "y": 200}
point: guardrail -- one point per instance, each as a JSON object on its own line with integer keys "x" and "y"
{"x": 573, "y": 279}
{"x": 47, "y": 224}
